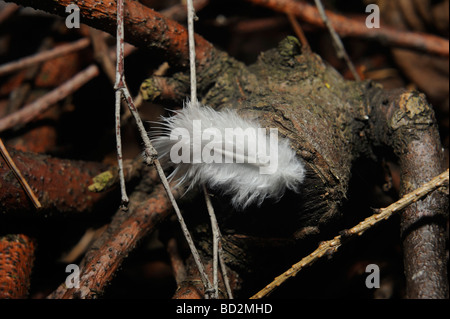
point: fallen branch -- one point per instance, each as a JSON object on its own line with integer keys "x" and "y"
{"x": 30, "y": 111}
{"x": 144, "y": 28}
{"x": 44, "y": 56}
{"x": 331, "y": 246}
{"x": 60, "y": 185}
{"x": 143, "y": 217}
{"x": 347, "y": 27}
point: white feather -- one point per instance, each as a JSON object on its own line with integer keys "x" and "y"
{"x": 242, "y": 181}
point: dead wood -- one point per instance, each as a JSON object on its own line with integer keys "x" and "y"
{"x": 331, "y": 123}
{"x": 62, "y": 186}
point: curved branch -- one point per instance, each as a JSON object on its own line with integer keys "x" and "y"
{"x": 144, "y": 27}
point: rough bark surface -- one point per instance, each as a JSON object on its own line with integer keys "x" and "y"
{"x": 16, "y": 261}
{"x": 60, "y": 185}
{"x": 330, "y": 122}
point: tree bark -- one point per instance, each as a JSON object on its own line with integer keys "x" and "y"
{"x": 405, "y": 122}
{"x": 330, "y": 123}
{"x": 16, "y": 263}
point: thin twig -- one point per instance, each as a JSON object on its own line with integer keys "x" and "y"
{"x": 214, "y": 224}
{"x": 118, "y": 86}
{"x": 217, "y": 248}
{"x": 123, "y": 191}
{"x": 30, "y": 111}
{"x": 44, "y": 56}
{"x": 331, "y": 246}
{"x": 101, "y": 53}
{"x": 178, "y": 12}
{"x": 19, "y": 95}
{"x": 216, "y": 238}
{"x": 353, "y": 27}
{"x": 178, "y": 267}
{"x": 339, "y": 46}
{"x": 191, "y": 15}
{"x": 122, "y": 235}
{"x": 150, "y": 152}
{"x": 298, "y": 31}
{"x": 19, "y": 176}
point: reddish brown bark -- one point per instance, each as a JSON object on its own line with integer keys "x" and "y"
{"x": 143, "y": 216}
{"x": 192, "y": 288}
{"x": 347, "y": 27}
{"x": 144, "y": 27}
{"x": 60, "y": 185}
{"x": 16, "y": 263}
{"x": 329, "y": 138}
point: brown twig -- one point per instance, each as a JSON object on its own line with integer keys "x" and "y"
{"x": 144, "y": 28}
{"x": 339, "y": 46}
{"x": 217, "y": 249}
{"x": 347, "y": 27}
{"x": 179, "y": 270}
{"x": 331, "y": 246}
{"x": 30, "y": 111}
{"x": 44, "y": 56}
{"x": 83, "y": 245}
{"x": 257, "y": 25}
{"x": 19, "y": 95}
{"x": 298, "y": 31}
{"x": 179, "y": 13}
{"x": 101, "y": 53}
{"x": 150, "y": 152}
{"x": 143, "y": 217}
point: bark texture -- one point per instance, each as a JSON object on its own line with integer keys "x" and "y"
{"x": 330, "y": 122}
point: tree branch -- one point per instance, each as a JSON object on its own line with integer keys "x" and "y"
{"x": 144, "y": 28}
{"x": 102, "y": 263}
{"x": 405, "y": 122}
{"x": 60, "y": 185}
{"x": 331, "y": 246}
{"x": 347, "y": 27}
